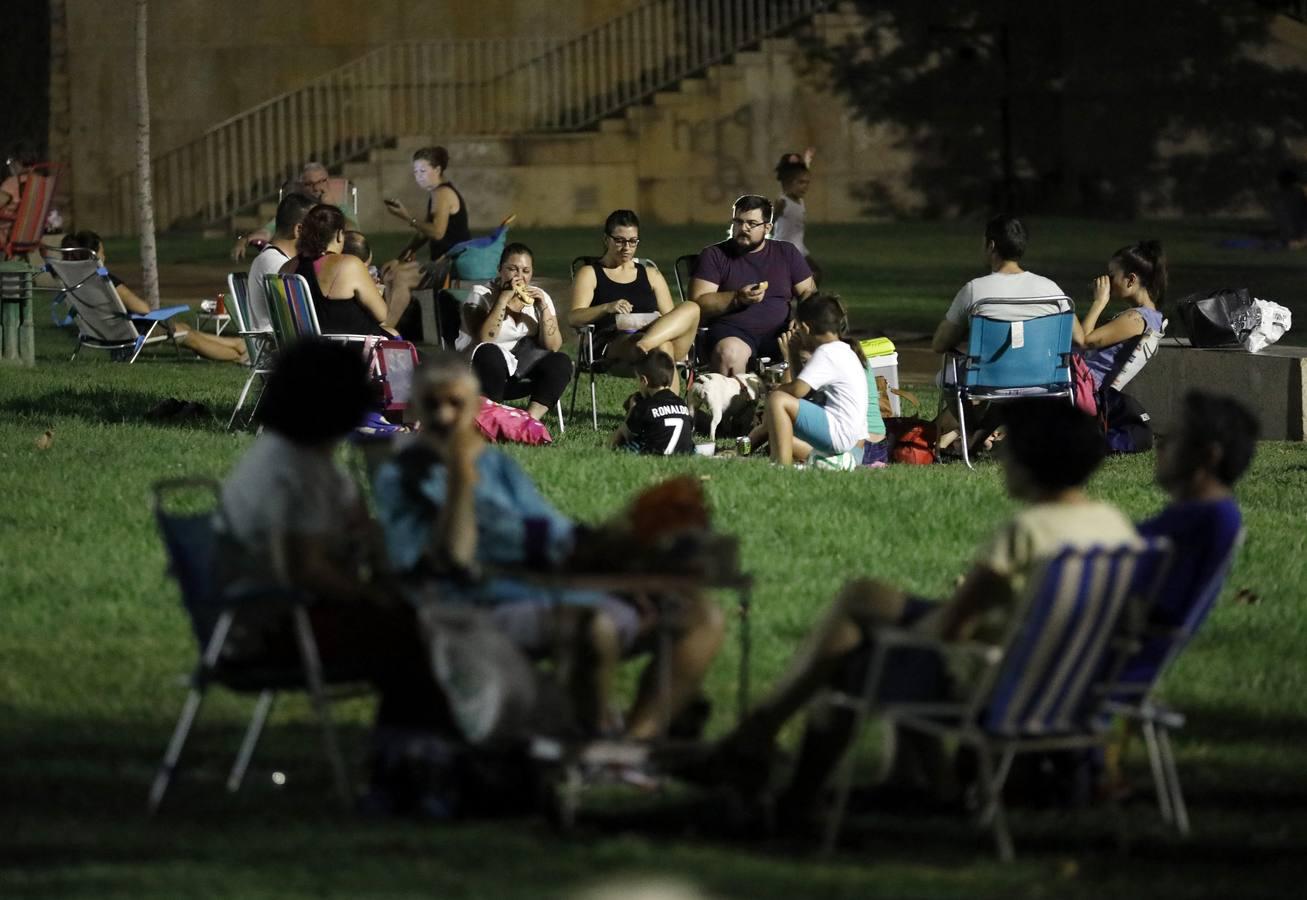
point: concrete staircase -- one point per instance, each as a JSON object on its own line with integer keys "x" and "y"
{"x": 680, "y": 157}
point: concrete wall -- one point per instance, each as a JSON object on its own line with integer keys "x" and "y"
{"x": 210, "y": 60}
{"x": 1272, "y": 383}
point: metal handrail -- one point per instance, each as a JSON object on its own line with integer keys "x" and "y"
{"x": 493, "y": 86}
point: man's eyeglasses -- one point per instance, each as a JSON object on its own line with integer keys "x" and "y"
{"x": 746, "y": 226}
{"x": 625, "y": 242}
{"x": 318, "y": 183}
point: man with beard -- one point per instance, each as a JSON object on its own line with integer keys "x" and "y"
{"x": 744, "y": 286}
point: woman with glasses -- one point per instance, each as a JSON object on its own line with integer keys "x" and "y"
{"x": 628, "y": 302}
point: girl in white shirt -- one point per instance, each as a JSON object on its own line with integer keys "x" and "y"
{"x": 512, "y": 329}
{"x": 794, "y": 172}
{"x": 797, "y": 429}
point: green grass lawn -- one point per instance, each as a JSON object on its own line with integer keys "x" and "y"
{"x": 92, "y": 642}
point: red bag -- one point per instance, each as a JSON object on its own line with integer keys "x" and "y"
{"x": 1082, "y": 385}
{"x": 508, "y": 423}
{"x": 911, "y": 439}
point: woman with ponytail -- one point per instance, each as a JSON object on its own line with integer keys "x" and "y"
{"x": 1137, "y": 275}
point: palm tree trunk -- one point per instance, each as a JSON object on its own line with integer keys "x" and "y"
{"x": 144, "y": 189}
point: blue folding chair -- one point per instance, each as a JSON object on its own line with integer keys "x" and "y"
{"x": 1044, "y": 688}
{"x": 184, "y": 510}
{"x": 477, "y": 259}
{"x": 1134, "y": 697}
{"x": 1008, "y": 360}
{"x": 103, "y": 323}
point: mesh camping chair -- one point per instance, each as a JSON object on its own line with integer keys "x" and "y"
{"x": 1045, "y": 688}
{"x": 103, "y": 323}
{"x": 28, "y": 219}
{"x": 1008, "y": 360}
{"x": 1134, "y": 697}
{"x": 260, "y": 346}
{"x": 191, "y": 542}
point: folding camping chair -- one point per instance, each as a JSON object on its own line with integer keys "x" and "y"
{"x": 191, "y": 542}
{"x": 1133, "y": 359}
{"x": 1008, "y": 360}
{"x": 260, "y": 346}
{"x": 1045, "y": 688}
{"x": 28, "y": 220}
{"x": 390, "y": 362}
{"x": 1135, "y": 696}
{"x": 477, "y": 259}
{"x": 103, "y": 323}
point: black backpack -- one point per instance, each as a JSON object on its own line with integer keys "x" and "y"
{"x": 1221, "y": 318}
{"x": 1125, "y": 421}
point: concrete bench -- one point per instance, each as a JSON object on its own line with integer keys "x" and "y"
{"x": 1270, "y": 383}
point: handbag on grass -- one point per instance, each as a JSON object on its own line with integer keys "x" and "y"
{"x": 912, "y": 439}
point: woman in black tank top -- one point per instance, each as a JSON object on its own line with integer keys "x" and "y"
{"x": 357, "y": 307}
{"x": 446, "y": 220}
{"x": 444, "y": 225}
{"x": 616, "y": 284}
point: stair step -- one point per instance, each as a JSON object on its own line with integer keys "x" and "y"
{"x": 693, "y": 86}
{"x": 750, "y": 58}
{"x": 614, "y": 126}
{"x": 664, "y": 99}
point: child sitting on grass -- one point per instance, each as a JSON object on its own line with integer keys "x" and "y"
{"x": 796, "y": 428}
{"x": 659, "y": 421}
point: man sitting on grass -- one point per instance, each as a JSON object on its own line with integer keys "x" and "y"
{"x": 659, "y": 422}
{"x": 1050, "y": 451}
{"x": 448, "y": 465}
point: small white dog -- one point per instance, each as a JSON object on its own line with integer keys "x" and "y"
{"x": 730, "y": 398}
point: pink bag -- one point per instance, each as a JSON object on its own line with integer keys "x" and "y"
{"x": 507, "y": 423}
{"x": 1082, "y": 386}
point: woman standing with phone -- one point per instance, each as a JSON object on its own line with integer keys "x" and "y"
{"x": 444, "y": 225}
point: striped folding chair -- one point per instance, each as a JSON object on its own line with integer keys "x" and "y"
{"x": 260, "y": 346}
{"x": 1045, "y": 688}
{"x": 28, "y": 219}
{"x": 1135, "y": 695}
{"x": 294, "y": 316}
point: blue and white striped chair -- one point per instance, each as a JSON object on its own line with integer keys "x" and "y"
{"x": 1045, "y": 688}
{"x": 1135, "y": 696}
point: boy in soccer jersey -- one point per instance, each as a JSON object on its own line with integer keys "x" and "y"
{"x": 659, "y": 421}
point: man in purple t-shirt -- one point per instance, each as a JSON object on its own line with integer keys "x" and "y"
{"x": 744, "y": 285}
